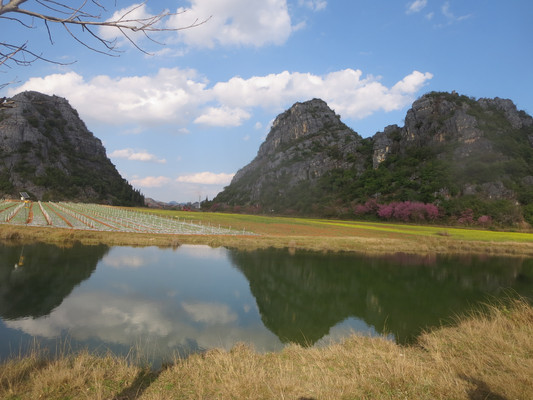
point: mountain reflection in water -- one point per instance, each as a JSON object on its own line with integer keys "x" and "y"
{"x": 196, "y": 297}
{"x": 35, "y": 278}
{"x": 302, "y": 296}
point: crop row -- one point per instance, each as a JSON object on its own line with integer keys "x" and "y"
{"x": 101, "y": 218}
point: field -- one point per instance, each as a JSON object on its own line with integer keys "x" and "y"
{"x": 90, "y": 224}
{"x": 102, "y": 218}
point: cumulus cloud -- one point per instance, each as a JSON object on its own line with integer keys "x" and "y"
{"x": 223, "y": 116}
{"x": 347, "y": 91}
{"x": 150, "y": 181}
{"x": 206, "y": 178}
{"x": 170, "y": 96}
{"x": 411, "y": 83}
{"x": 177, "y": 97}
{"x": 133, "y": 155}
{"x": 416, "y": 6}
{"x": 234, "y": 23}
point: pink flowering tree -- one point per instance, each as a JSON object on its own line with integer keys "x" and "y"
{"x": 467, "y": 217}
{"x": 484, "y": 220}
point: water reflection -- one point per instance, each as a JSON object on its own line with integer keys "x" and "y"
{"x": 302, "y": 296}
{"x": 197, "y": 297}
{"x": 163, "y": 300}
{"x": 34, "y": 279}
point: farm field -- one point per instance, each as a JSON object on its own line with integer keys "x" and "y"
{"x": 93, "y": 224}
{"x": 102, "y": 218}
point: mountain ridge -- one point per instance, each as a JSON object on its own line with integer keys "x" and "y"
{"x": 453, "y": 151}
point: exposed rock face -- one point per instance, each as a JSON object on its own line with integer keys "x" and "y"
{"x": 450, "y": 146}
{"x": 448, "y": 118}
{"x": 47, "y": 151}
{"x": 305, "y": 142}
{"x": 473, "y": 137}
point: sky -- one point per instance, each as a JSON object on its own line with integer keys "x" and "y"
{"x": 181, "y": 117}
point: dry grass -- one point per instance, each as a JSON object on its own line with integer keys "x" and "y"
{"x": 319, "y": 235}
{"x": 489, "y": 355}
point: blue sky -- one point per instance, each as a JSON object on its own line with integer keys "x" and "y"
{"x": 179, "y": 122}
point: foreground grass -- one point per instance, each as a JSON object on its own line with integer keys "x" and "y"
{"x": 488, "y": 355}
{"x": 300, "y": 233}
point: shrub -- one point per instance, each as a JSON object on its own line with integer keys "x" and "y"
{"x": 484, "y": 221}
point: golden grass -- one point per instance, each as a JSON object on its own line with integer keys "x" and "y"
{"x": 488, "y": 355}
{"x": 298, "y": 233}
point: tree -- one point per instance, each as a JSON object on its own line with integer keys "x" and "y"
{"x": 85, "y": 15}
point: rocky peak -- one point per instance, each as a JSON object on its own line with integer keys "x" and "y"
{"x": 301, "y": 120}
{"x": 47, "y": 151}
{"x": 438, "y": 118}
{"x": 304, "y": 142}
{"x": 517, "y": 118}
{"x": 38, "y": 118}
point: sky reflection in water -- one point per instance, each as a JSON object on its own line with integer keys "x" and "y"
{"x": 196, "y": 297}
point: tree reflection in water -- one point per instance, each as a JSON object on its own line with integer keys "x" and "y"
{"x": 196, "y": 297}
{"x": 35, "y": 278}
{"x": 303, "y": 295}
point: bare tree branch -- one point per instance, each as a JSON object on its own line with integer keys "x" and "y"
{"x": 9, "y": 52}
{"x": 67, "y": 16}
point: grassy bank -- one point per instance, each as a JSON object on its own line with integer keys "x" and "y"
{"x": 299, "y": 233}
{"x": 486, "y": 355}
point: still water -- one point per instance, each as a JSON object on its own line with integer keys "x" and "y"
{"x": 165, "y": 301}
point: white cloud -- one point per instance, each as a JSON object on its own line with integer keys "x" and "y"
{"x": 176, "y": 97}
{"x": 234, "y": 22}
{"x": 170, "y": 96}
{"x": 126, "y": 16}
{"x": 451, "y": 16}
{"x": 411, "y": 83}
{"x": 223, "y": 116}
{"x": 132, "y": 155}
{"x": 416, "y": 6}
{"x": 346, "y": 91}
{"x": 315, "y": 5}
{"x": 206, "y": 178}
{"x": 150, "y": 181}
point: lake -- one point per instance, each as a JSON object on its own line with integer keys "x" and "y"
{"x": 161, "y": 302}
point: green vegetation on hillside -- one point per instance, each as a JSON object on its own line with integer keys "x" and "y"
{"x": 468, "y": 157}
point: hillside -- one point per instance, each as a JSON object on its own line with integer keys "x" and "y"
{"x": 470, "y": 158}
{"x": 47, "y": 151}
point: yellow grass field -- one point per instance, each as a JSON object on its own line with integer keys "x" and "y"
{"x": 297, "y": 233}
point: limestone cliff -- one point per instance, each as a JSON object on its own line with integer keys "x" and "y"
{"x": 47, "y": 151}
{"x": 304, "y": 143}
{"x": 451, "y": 148}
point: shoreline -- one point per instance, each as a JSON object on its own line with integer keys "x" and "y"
{"x": 332, "y": 242}
{"x": 486, "y": 354}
